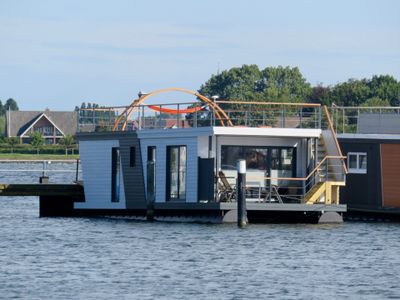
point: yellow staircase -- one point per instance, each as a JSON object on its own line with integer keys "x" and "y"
{"x": 324, "y": 192}
{"x": 328, "y": 177}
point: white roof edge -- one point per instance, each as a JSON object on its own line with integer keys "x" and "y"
{"x": 37, "y": 120}
{"x": 276, "y": 132}
{"x": 369, "y": 136}
{"x": 234, "y": 131}
{"x": 174, "y": 132}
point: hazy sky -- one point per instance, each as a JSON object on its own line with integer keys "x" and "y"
{"x": 57, "y": 54}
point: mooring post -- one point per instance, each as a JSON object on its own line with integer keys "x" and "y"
{"x": 241, "y": 193}
{"x": 44, "y": 178}
{"x": 150, "y": 190}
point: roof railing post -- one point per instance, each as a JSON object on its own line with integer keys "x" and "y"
{"x": 263, "y": 120}
{"x": 160, "y": 117}
{"x": 343, "y": 120}
{"x": 143, "y": 118}
{"x": 301, "y": 117}
{"x": 195, "y": 119}
{"x": 93, "y": 118}
{"x": 320, "y": 117}
{"x": 283, "y": 116}
{"x": 177, "y": 117}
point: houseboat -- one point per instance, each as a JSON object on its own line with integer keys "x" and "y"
{"x": 178, "y": 161}
{"x": 370, "y": 139}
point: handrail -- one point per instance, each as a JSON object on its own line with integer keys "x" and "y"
{"x": 268, "y": 103}
{"x": 309, "y": 175}
{"x": 334, "y": 135}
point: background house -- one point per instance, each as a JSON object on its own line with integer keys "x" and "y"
{"x": 53, "y": 125}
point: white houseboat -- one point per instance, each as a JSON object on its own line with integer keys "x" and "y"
{"x": 177, "y": 161}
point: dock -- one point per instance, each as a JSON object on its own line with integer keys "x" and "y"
{"x": 54, "y": 199}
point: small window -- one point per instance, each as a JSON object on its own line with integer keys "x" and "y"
{"x": 357, "y": 162}
{"x": 151, "y": 153}
{"x": 132, "y": 157}
{"x": 115, "y": 174}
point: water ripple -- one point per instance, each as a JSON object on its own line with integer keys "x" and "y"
{"x": 78, "y": 258}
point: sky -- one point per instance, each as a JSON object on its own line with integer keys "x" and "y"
{"x": 57, "y": 54}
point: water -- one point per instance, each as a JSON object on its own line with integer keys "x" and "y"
{"x": 114, "y": 258}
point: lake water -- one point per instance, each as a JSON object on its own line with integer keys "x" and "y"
{"x": 114, "y": 258}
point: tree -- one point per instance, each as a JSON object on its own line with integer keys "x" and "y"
{"x": 249, "y": 83}
{"x": 12, "y": 141}
{"x": 375, "y": 101}
{"x": 321, "y": 94}
{"x": 11, "y": 104}
{"x": 385, "y": 87}
{"x": 277, "y": 84}
{"x": 67, "y": 141}
{"x": 2, "y": 111}
{"x": 356, "y": 92}
{"x": 37, "y": 140}
{"x": 284, "y": 84}
{"x": 351, "y": 93}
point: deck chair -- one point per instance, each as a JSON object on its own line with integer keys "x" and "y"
{"x": 226, "y": 193}
{"x": 273, "y": 194}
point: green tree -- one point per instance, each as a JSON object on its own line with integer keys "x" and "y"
{"x": 321, "y": 94}
{"x": 249, "y": 83}
{"x": 356, "y": 92}
{"x": 12, "y": 141}
{"x": 284, "y": 84}
{"x": 351, "y": 93}
{"x": 385, "y": 87}
{"x": 11, "y": 104}
{"x": 67, "y": 142}
{"x": 37, "y": 140}
{"x": 277, "y": 84}
{"x": 375, "y": 101}
{"x": 2, "y": 111}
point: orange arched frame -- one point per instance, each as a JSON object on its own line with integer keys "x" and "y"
{"x": 219, "y": 112}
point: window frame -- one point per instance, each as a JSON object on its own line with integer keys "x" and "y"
{"x": 357, "y": 170}
{"x": 115, "y": 174}
{"x": 168, "y": 181}
{"x": 132, "y": 156}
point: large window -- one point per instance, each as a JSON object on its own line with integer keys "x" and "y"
{"x": 357, "y": 162}
{"x": 176, "y": 173}
{"x": 268, "y": 159}
{"x": 261, "y": 162}
{"x": 115, "y": 174}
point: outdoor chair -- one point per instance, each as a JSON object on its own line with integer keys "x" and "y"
{"x": 271, "y": 195}
{"x": 226, "y": 193}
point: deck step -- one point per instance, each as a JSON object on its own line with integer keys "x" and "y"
{"x": 314, "y": 192}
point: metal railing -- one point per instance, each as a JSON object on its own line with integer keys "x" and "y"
{"x": 358, "y": 119}
{"x": 239, "y": 113}
{"x": 60, "y": 171}
{"x": 290, "y": 189}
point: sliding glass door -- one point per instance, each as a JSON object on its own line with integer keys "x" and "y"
{"x": 176, "y": 173}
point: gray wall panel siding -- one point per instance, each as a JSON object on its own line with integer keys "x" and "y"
{"x": 363, "y": 190}
{"x": 133, "y": 181}
{"x": 385, "y": 123}
{"x": 133, "y": 176}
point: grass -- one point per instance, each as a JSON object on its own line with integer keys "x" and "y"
{"x": 18, "y": 156}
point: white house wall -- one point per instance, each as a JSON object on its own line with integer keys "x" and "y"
{"x": 96, "y": 171}
{"x": 161, "y": 164}
{"x": 202, "y": 142}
